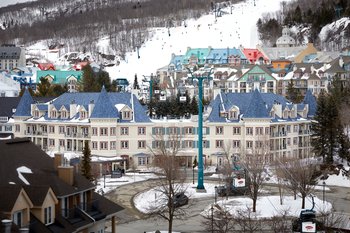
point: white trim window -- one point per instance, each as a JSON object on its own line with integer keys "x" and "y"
{"x": 17, "y": 218}
{"x": 48, "y": 219}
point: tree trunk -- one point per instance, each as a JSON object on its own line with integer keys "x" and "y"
{"x": 254, "y": 205}
{"x": 170, "y": 228}
{"x": 303, "y": 202}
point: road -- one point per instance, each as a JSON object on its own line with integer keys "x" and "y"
{"x": 130, "y": 220}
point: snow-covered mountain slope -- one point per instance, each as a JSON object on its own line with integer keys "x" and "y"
{"x": 230, "y": 30}
{"x": 4, "y": 3}
{"x": 335, "y": 35}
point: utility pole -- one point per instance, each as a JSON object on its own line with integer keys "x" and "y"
{"x": 200, "y": 75}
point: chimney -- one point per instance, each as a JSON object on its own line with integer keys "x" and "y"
{"x": 91, "y": 107}
{"x": 58, "y": 160}
{"x": 6, "y": 223}
{"x": 72, "y": 108}
{"x": 66, "y": 173}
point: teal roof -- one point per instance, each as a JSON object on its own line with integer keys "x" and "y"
{"x": 59, "y": 76}
{"x": 200, "y": 53}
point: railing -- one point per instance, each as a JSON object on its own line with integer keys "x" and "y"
{"x": 77, "y": 135}
{"x": 35, "y": 133}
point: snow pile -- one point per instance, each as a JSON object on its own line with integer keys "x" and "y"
{"x": 269, "y": 206}
{"x": 21, "y": 170}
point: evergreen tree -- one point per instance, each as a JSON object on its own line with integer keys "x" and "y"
{"x": 319, "y": 127}
{"x": 344, "y": 146}
{"x": 86, "y": 162}
{"x": 43, "y": 88}
{"x": 103, "y": 79}
{"x": 136, "y": 83}
{"x": 194, "y": 106}
{"x": 293, "y": 94}
{"x": 88, "y": 80}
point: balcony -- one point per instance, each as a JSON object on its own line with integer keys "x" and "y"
{"x": 77, "y": 135}
{"x": 35, "y": 133}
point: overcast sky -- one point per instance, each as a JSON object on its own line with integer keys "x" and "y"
{"x": 11, "y": 2}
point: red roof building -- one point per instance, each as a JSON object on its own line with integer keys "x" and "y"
{"x": 254, "y": 55}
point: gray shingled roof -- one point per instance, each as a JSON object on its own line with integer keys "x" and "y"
{"x": 10, "y": 52}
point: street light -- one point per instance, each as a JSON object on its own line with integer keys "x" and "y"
{"x": 216, "y": 191}
{"x": 200, "y": 75}
{"x": 324, "y": 190}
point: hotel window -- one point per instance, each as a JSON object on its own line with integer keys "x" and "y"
{"x": 267, "y": 130}
{"x": 18, "y": 128}
{"x": 17, "y": 218}
{"x": 51, "y": 129}
{"x": 53, "y": 114}
{"x": 124, "y": 144}
{"x": 236, "y": 143}
{"x": 94, "y": 145}
{"x": 36, "y": 113}
{"x": 112, "y": 131}
{"x": 126, "y": 115}
{"x": 141, "y": 130}
{"x": 94, "y": 131}
{"x": 61, "y": 129}
{"x": 188, "y": 130}
{"x": 158, "y": 131}
{"x": 124, "y": 131}
{"x": 249, "y": 144}
{"x": 64, "y": 114}
{"x": 173, "y": 130}
{"x": 62, "y": 142}
{"x": 113, "y": 145}
{"x": 83, "y": 114}
{"x": 188, "y": 144}
{"x": 51, "y": 142}
{"x": 48, "y": 215}
{"x": 259, "y": 144}
{"x": 259, "y": 130}
{"x": 103, "y": 145}
{"x": 143, "y": 161}
{"x": 103, "y": 131}
{"x": 236, "y": 130}
{"x": 219, "y": 143}
{"x": 295, "y": 141}
{"x": 219, "y": 130}
{"x": 141, "y": 144}
{"x": 249, "y": 130}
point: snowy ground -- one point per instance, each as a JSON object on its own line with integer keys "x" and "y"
{"x": 269, "y": 206}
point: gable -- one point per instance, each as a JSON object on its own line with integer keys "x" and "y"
{"x": 22, "y": 202}
{"x": 258, "y": 73}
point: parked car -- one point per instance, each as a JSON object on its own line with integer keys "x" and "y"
{"x": 231, "y": 191}
{"x": 180, "y": 199}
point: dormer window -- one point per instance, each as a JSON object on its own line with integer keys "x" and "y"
{"x": 233, "y": 113}
{"x": 36, "y": 113}
{"x": 64, "y": 114}
{"x": 83, "y": 115}
{"x": 272, "y": 114}
{"x": 53, "y": 114}
{"x": 292, "y": 114}
{"x": 126, "y": 115}
{"x": 285, "y": 114}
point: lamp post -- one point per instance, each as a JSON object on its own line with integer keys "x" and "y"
{"x": 324, "y": 191}
{"x": 212, "y": 218}
{"x": 200, "y": 77}
{"x": 193, "y": 174}
{"x": 216, "y": 191}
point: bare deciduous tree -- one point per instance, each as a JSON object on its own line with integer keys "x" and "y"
{"x": 170, "y": 181}
{"x": 255, "y": 162}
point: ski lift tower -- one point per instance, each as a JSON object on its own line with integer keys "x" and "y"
{"x": 200, "y": 75}
{"x": 150, "y": 81}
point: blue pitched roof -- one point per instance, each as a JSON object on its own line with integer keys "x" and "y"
{"x": 223, "y": 53}
{"x": 257, "y": 107}
{"x": 311, "y": 101}
{"x": 24, "y": 105}
{"x": 251, "y": 105}
{"x": 84, "y": 98}
{"x": 104, "y": 107}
